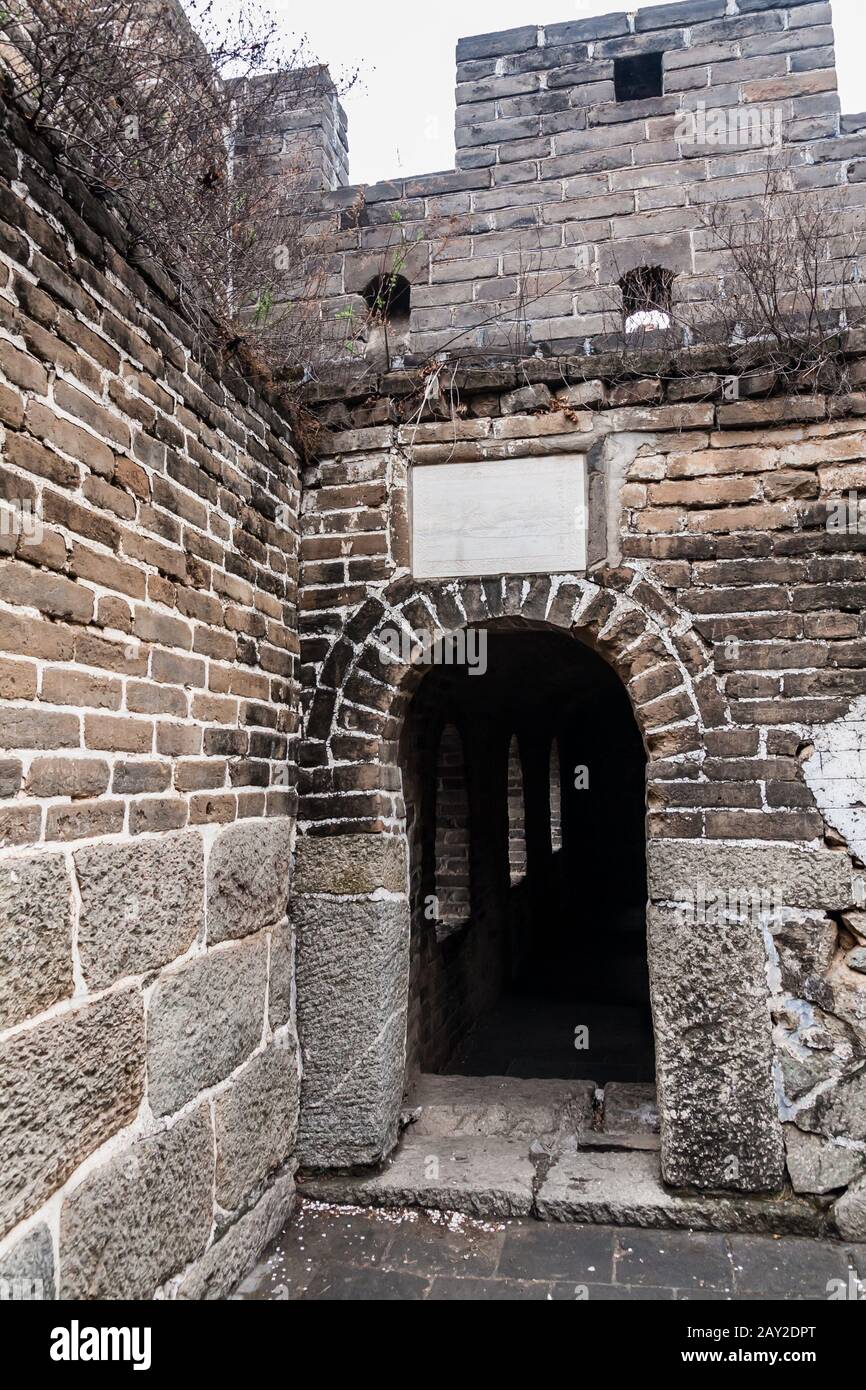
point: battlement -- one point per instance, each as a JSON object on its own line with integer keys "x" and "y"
{"x": 618, "y": 81}
{"x": 304, "y": 133}
{"x": 588, "y": 152}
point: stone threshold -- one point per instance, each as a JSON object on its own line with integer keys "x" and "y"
{"x": 494, "y": 1147}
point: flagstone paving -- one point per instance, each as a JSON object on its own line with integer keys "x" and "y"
{"x": 338, "y": 1252}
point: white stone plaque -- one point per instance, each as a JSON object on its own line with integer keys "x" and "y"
{"x": 508, "y": 516}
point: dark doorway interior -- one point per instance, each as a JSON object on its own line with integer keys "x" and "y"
{"x": 528, "y": 940}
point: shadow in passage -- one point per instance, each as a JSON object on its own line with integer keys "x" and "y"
{"x": 540, "y": 970}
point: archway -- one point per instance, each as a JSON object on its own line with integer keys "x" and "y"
{"x": 355, "y": 876}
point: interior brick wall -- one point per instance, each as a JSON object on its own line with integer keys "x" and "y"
{"x": 452, "y": 831}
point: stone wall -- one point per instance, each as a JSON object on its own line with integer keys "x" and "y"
{"x": 153, "y": 636}
{"x": 561, "y": 189}
{"x": 148, "y": 673}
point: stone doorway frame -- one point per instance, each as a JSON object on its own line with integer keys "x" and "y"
{"x": 350, "y": 906}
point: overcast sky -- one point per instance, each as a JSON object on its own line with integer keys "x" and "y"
{"x": 401, "y": 113}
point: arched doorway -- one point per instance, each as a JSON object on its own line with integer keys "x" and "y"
{"x": 545, "y": 974}
{"x": 358, "y": 871}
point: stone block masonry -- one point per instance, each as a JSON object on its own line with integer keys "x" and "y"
{"x": 149, "y": 1068}
{"x": 189, "y": 627}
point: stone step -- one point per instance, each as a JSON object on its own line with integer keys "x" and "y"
{"x": 558, "y": 1114}
{"x": 482, "y": 1176}
{"x": 489, "y": 1177}
{"x": 625, "y": 1189}
{"x": 504, "y": 1107}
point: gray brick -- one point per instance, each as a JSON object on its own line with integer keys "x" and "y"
{"x": 738, "y": 26}
{"x": 538, "y": 103}
{"x": 811, "y": 58}
{"x": 790, "y": 40}
{"x": 819, "y": 11}
{"x": 491, "y": 132}
{"x": 512, "y": 150}
{"x": 491, "y": 88}
{"x": 522, "y": 171}
{"x": 743, "y": 69}
{"x": 576, "y": 30}
{"x": 540, "y": 60}
{"x": 475, "y": 159}
{"x": 508, "y": 196}
{"x": 619, "y": 113}
{"x": 477, "y": 113}
{"x": 699, "y": 54}
{"x": 578, "y": 73}
{"x": 803, "y": 13}
{"x": 687, "y": 14}
{"x": 475, "y": 68}
{"x": 472, "y": 269}
{"x": 577, "y": 141}
{"x": 808, "y": 128}
{"x": 431, "y": 296}
{"x": 588, "y": 209}
{"x": 638, "y": 43}
{"x": 824, "y": 104}
{"x": 493, "y": 45}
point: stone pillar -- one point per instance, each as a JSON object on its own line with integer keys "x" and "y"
{"x": 350, "y": 912}
{"x": 709, "y": 954}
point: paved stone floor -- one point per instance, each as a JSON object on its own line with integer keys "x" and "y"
{"x": 329, "y": 1252}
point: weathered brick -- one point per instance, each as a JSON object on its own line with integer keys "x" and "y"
{"x": 27, "y": 587}
{"x": 118, "y": 733}
{"x": 64, "y": 687}
{"x": 84, "y": 819}
{"x": 74, "y": 777}
{"x": 18, "y": 680}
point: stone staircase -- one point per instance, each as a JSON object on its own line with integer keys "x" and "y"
{"x": 495, "y": 1147}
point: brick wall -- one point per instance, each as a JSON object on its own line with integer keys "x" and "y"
{"x": 555, "y": 792}
{"x": 452, "y": 831}
{"x": 560, "y": 190}
{"x": 733, "y": 612}
{"x": 516, "y": 815}
{"x": 148, "y": 574}
{"x": 303, "y": 133}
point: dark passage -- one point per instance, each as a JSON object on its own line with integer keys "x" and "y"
{"x": 525, "y": 795}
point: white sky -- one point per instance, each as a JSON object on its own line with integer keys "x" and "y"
{"x": 401, "y": 113}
